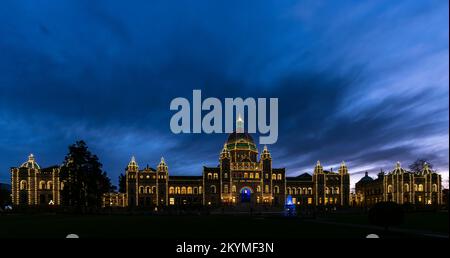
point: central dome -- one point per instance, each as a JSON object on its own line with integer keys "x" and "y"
{"x": 242, "y": 141}
{"x": 241, "y": 147}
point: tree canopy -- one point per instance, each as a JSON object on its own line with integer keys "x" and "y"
{"x": 84, "y": 180}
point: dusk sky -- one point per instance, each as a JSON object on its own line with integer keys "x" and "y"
{"x": 362, "y": 81}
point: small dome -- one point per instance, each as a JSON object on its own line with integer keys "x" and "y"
{"x": 30, "y": 163}
{"x": 366, "y": 178}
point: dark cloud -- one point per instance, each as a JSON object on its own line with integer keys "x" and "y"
{"x": 359, "y": 86}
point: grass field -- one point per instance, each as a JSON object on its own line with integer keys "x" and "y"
{"x": 193, "y": 227}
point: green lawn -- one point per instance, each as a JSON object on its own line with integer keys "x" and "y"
{"x": 424, "y": 221}
{"x": 190, "y": 227}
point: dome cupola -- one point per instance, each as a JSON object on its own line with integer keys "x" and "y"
{"x": 30, "y": 163}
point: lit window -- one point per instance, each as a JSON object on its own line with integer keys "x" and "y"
{"x": 279, "y": 177}
{"x": 251, "y": 175}
{"x": 257, "y": 175}
{"x": 246, "y": 175}
{"x": 209, "y": 176}
{"x": 233, "y": 188}
{"x": 171, "y": 190}
{"x": 23, "y": 185}
{"x": 420, "y": 188}
{"x": 309, "y": 200}
{"x": 277, "y": 189}
{"x": 189, "y": 190}
{"x": 172, "y": 201}
{"x": 183, "y": 190}
{"x": 274, "y": 176}
{"x": 216, "y": 176}
{"x": 266, "y": 188}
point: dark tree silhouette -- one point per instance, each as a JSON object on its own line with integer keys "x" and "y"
{"x": 417, "y": 166}
{"x": 84, "y": 180}
{"x": 386, "y": 214}
{"x": 122, "y": 183}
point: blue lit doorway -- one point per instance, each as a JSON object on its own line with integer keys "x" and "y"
{"x": 246, "y": 194}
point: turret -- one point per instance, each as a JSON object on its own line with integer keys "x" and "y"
{"x": 426, "y": 169}
{"x": 162, "y": 166}
{"x": 225, "y": 154}
{"x": 132, "y": 165}
{"x": 318, "y": 169}
{"x": 265, "y": 154}
{"x": 343, "y": 170}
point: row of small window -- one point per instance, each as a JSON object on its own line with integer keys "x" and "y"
{"x": 42, "y": 185}
{"x": 185, "y": 190}
{"x": 276, "y": 189}
{"x": 250, "y": 175}
{"x": 147, "y": 177}
{"x": 417, "y": 188}
{"x": 300, "y": 190}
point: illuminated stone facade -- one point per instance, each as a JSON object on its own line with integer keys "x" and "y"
{"x": 400, "y": 186}
{"x": 242, "y": 177}
{"x": 33, "y": 185}
{"x": 239, "y": 179}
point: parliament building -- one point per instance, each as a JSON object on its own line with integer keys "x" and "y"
{"x": 400, "y": 186}
{"x": 243, "y": 175}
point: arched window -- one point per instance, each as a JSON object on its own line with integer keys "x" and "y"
{"x": 171, "y": 190}
{"x": 245, "y": 175}
{"x": 276, "y": 189}
{"x": 200, "y": 190}
{"x": 336, "y": 190}
{"x": 153, "y": 189}
{"x": 300, "y": 190}
{"x": 183, "y": 190}
{"x": 49, "y": 185}
{"x": 289, "y": 190}
{"x": 251, "y": 175}
{"x": 213, "y": 189}
{"x": 420, "y": 188}
{"x": 309, "y": 190}
{"x": 415, "y": 187}
{"x": 434, "y": 188}
{"x": 295, "y": 191}
{"x": 327, "y": 191}
{"x": 225, "y": 188}
{"x": 62, "y": 185}
{"x": 258, "y": 189}
{"x": 209, "y": 176}
{"x": 147, "y": 189}
{"x": 23, "y": 185}
{"x": 406, "y": 188}
{"x": 216, "y": 176}
{"x": 257, "y": 175}
{"x": 389, "y": 190}
{"x": 233, "y": 188}
{"x": 195, "y": 190}
{"x": 279, "y": 176}
{"x": 177, "y": 190}
{"x": 141, "y": 189}
{"x": 189, "y": 190}
{"x": 42, "y": 185}
{"x": 274, "y": 176}
{"x": 266, "y": 188}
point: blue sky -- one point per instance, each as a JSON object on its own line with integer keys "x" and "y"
{"x": 361, "y": 81}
